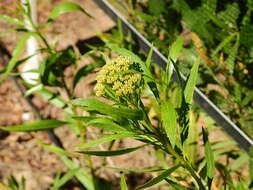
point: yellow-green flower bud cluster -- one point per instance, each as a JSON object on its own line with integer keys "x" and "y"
{"x": 115, "y": 75}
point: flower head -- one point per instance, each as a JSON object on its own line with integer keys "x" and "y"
{"x": 117, "y": 76}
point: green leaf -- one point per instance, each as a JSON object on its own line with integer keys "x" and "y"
{"x": 223, "y": 44}
{"x": 17, "y": 52}
{"x": 35, "y": 126}
{"x": 55, "y": 99}
{"x": 91, "y": 104}
{"x": 11, "y": 20}
{"x": 191, "y": 82}
{"x": 175, "y": 48}
{"x": 159, "y": 178}
{"x": 156, "y": 8}
{"x": 123, "y": 184}
{"x": 65, "y": 178}
{"x": 34, "y": 90}
{"x": 81, "y": 175}
{"x": 111, "y": 152}
{"x": 149, "y": 58}
{"x": 105, "y": 139}
{"x": 65, "y": 7}
{"x": 169, "y": 119}
{"x": 106, "y": 124}
{"x": 52, "y": 148}
{"x": 208, "y": 155}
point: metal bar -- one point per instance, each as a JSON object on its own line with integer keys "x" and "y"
{"x": 210, "y": 108}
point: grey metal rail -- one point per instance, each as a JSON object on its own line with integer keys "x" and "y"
{"x": 208, "y": 106}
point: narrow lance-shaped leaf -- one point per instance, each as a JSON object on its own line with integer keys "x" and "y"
{"x": 91, "y": 104}
{"x": 191, "y": 82}
{"x": 169, "y": 119}
{"x": 35, "y": 126}
{"x": 17, "y": 52}
{"x": 52, "y": 148}
{"x": 64, "y": 8}
{"x": 106, "y": 124}
{"x": 111, "y": 152}
{"x": 208, "y": 155}
{"x": 123, "y": 184}
{"x": 108, "y": 138}
{"x": 159, "y": 178}
{"x": 175, "y": 48}
{"x": 149, "y": 58}
{"x": 11, "y": 20}
{"x": 34, "y": 89}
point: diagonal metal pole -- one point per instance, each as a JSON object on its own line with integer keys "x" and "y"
{"x": 208, "y": 106}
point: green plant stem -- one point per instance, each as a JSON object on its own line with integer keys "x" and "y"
{"x": 187, "y": 166}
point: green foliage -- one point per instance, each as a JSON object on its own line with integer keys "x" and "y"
{"x": 35, "y": 126}
{"x": 60, "y": 181}
{"x": 65, "y": 7}
{"x": 111, "y": 152}
{"x": 123, "y": 184}
{"x": 169, "y": 119}
{"x": 160, "y": 115}
{"x": 107, "y": 109}
{"x": 159, "y": 178}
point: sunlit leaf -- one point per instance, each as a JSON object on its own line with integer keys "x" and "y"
{"x": 65, "y": 7}
{"x": 169, "y": 119}
{"x": 191, "y": 82}
{"x": 123, "y": 184}
{"x": 11, "y": 20}
{"x": 91, "y": 104}
{"x": 17, "y": 52}
{"x": 107, "y": 138}
{"x": 208, "y": 155}
{"x": 35, "y": 126}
